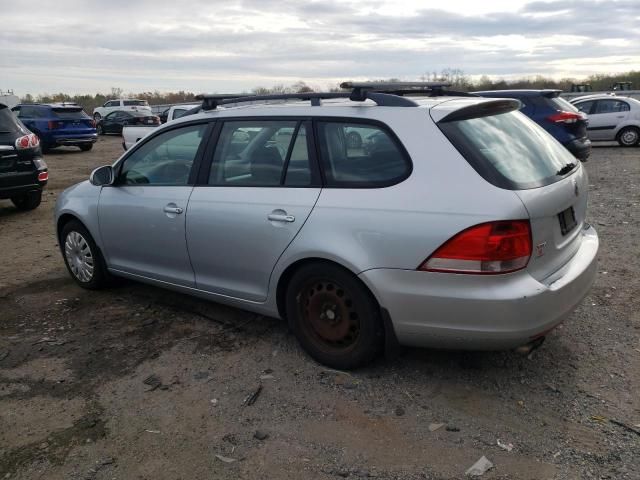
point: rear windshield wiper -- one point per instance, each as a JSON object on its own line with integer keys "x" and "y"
{"x": 566, "y": 169}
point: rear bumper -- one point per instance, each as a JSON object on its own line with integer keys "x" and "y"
{"x": 8, "y": 192}
{"x": 74, "y": 140}
{"x": 580, "y": 148}
{"x": 482, "y": 312}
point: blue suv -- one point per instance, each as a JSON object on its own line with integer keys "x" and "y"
{"x": 58, "y": 124}
{"x": 562, "y": 120}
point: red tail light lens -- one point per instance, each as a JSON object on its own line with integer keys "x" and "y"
{"x": 43, "y": 176}
{"x": 565, "y": 117}
{"x": 488, "y": 248}
{"x": 53, "y": 125}
{"x": 27, "y": 141}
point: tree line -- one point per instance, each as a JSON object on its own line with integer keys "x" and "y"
{"x": 458, "y": 79}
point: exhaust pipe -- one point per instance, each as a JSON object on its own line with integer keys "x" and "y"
{"x": 527, "y": 348}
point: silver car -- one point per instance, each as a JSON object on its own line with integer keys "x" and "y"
{"x": 464, "y": 228}
{"x": 611, "y": 118}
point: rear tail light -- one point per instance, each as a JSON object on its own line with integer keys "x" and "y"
{"x": 566, "y": 117}
{"x": 43, "y": 176}
{"x": 53, "y": 124}
{"x": 27, "y": 141}
{"x": 92, "y": 123}
{"x": 488, "y": 248}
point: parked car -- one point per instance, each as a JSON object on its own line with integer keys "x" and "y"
{"x": 122, "y": 104}
{"x": 465, "y": 229}
{"x": 556, "y": 115}
{"x": 23, "y": 172}
{"x": 115, "y": 121}
{"x": 611, "y": 118}
{"x": 133, "y": 133}
{"x": 58, "y": 124}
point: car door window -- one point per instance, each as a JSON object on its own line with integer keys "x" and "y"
{"x": 361, "y": 155}
{"x": 584, "y": 106}
{"x": 165, "y": 159}
{"x": 611, "y": 106}
{"x": 261, "y": 153}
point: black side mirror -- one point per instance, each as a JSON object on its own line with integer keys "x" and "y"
{"x": 102, "y": 176}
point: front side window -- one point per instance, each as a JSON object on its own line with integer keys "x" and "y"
{"x": 135, "y": 103}
{"x": 611, "y": 106}
{"x": 165, "y": 159}
{"x": 584, "y": 106}
{"x": 261, "y": 153}
{"x": 356, "y": 154}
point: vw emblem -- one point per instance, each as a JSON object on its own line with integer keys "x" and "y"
{"x": 576, "y": 190}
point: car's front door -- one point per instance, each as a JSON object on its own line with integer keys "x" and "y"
{"x": 262, "y": 186}
{"x": 605, "y": 117}
{"x": 142, "y": 216}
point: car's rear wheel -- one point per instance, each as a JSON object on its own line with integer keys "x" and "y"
{"x": 629, "y": 136}
{"x": 334, "y": 316}
{"x": 86, "y": 148}
{"x": 28, "y": 201}
{"x": 82, "y": 257}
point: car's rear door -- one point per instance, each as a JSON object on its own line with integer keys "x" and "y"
{"x": 142, "y": 216}
{"x": 249, "y": 205}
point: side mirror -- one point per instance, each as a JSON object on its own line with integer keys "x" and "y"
{"x": 102, "y": 176}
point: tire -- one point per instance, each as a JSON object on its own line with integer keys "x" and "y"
{"x": 28, "y": 201}
{"x": 82, "y": 257}
{"x": 86, "y": 148}
{"x": 334, "y": 316}
{"x": 97, "y": 117}
{"x": 99, "y": 129}
{"x": 354, "y": 140}
{"x": 628, "y": 136}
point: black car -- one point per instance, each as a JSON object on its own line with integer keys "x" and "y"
{"x": 23, "y": 172}
{"x": 557, "y": 116}
{"x": 115, "y": 121}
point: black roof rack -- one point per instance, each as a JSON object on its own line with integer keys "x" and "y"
{"x": 430, "y": 89}
{"x": 387, "y": 94}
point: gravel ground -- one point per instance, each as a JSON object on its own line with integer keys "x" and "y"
{"x": 140, "y": 383}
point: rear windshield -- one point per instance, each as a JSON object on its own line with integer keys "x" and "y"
{"x": 69, "y": 113}
{"x": 8, "y": 122}
{"x": 509, "y": 150}
{"x": 135, "y": 103}
{"x": 562, "y": 104}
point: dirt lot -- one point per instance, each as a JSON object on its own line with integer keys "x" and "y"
{"x": 140, "y": 383}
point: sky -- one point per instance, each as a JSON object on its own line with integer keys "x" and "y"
{"x": 85, "y": 46}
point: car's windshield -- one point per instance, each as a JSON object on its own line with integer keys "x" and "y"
{"x": 509, "y": 150}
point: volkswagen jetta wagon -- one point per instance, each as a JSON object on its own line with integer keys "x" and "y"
{"x": 459, "y": 223}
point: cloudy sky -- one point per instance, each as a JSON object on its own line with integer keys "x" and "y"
{"x": 85, "y": 46}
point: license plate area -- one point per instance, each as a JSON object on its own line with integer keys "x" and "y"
{"x": 567, "y": 219}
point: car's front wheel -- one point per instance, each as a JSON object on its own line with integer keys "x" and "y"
{"x": 82, "y": 257}
{"x": 99, "y": 129}
{"x": 97, "y": 117}
{"x": 334, "y": 316}
{"x": 28, "y": 201}
{"x": 629, "y": 136}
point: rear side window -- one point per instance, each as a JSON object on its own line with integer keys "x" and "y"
{"x": 611, "y": 106}
{"x": 69, "y": 113}
{"x": 509, "y": 150}
{"x": 261, "y": 153}
{"x": 8, "y": 122}
{"x": 361, "y": 155}
{"x": 135, "y": 103}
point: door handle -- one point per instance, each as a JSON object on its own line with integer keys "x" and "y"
{"x": 279, "y": 217}
{"x": 173, "y": 209}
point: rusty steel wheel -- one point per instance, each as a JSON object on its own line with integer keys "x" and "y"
{"x": 334, "y": 316}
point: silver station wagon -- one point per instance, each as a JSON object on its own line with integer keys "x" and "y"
{"x": 452, "y": 221}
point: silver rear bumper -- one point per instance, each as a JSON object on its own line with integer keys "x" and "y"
{"x": 482, "y": 312}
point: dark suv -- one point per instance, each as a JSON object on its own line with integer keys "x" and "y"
{"x": 562, "y": 120}
{"x": 23, "y": 172}
{"x": 59, "y": 124}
